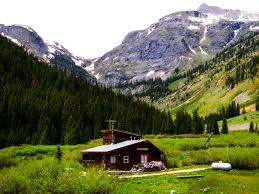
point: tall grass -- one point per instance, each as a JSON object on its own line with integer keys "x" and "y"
{"x": 239, "y": 148}
{"x": 241, "y": 158}
{"x": 49, "y": 176}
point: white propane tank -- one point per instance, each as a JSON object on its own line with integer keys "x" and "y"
{"x": 221, "y": 166}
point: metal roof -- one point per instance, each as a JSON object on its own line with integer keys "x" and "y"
{"x": 111, "y": 147}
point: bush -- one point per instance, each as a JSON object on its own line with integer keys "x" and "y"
{"x": 240, "y": 158}
{"x": 6, "y": 160}
{"x": 192, "y": 147}
{"x": 49, "y": 176}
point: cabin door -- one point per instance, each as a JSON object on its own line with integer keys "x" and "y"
{"x": 143, "y": 158}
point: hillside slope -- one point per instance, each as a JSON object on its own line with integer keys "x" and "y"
{"x": 51, "y": 52}
{"x": 233, "y": 75}
{"x": 179, "y": 40}
{"x": 42, "y": 105}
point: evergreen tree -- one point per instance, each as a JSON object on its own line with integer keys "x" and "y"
{"x": 215, "y": 127}
{"x": 251, "y": 127}
{"x": 71, "y": 131}
{"x": 59, "y": 154}
{"x": 224, "y": 127}
{"x": 257, "y": 104}
{"x": 198, "y": 125}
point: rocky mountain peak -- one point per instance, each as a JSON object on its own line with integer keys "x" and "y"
{"x": 228, "y": 14}
{"x": 205, "y": 8}
{"x": 50, "y": 52}
{"x": 178, "y": 40}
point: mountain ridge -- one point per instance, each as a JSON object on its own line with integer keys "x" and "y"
{"x": 177, "y": 40}
{"x": 50, "y": 52}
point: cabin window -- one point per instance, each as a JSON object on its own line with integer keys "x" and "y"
{"x": 113, "y": 159}
{"x": 143, "y": 158}
{"x": 125, "y": 159}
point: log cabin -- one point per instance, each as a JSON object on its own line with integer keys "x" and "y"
{"x": 121, "y": 150}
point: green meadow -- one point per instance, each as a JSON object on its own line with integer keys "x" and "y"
{"x": 35, "y": 168}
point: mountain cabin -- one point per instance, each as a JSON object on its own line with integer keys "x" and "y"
{"x": 121, "y": 150}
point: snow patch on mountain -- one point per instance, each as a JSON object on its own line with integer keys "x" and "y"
{"x": 204, "y": 35}
{"x": 27, "y": 27}
{"x": 12, "y": 39}
{"x": 207, "y": 20}
{"x": 90, "y": 68}
{"x": 202, "y": 51}
{"x": 192, "y": 27}
{"x": 254, "y": 28}
{"x": 106, "y": 59}
{"x": 78, "y": 62}
{"x": 97, "y": 76}
{"x": 193, "y": 51}
{"x": 150, "y": 73}
{"x": 151, "y": 29}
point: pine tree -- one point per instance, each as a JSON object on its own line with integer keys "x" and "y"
{"x": 257, "y": 104}
{"x": 251, "y": 127}
{"x": 59, "y": 154}
{"x": 198, "y": 125}
{"x": 215, "y": 127}
{"x": 71, "y": 132}
{"x": 224, "y": 127}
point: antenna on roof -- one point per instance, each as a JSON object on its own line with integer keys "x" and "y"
{"x": 111, "y": 127}
{"x": 111, "y": 124}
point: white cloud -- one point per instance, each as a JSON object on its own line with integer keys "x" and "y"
{"x": 90, "y": 28}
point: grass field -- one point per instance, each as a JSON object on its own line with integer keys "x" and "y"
{"x": 34, "y": 168}
{"x": 239, "y": 148}
{"x": 243, "y": 118}
{"x": 208, "y": 94}
{"x": 236, "y": 181}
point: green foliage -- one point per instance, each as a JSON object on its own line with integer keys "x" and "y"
{"x": 40, "y": 104}
{"x": 235, "y": 181}
{"x": 224, "y": 127}
{"x": 239, "y": 158}
{"x": 251, "y": 127}
{"x": 257, "y": 104}
{"x": 229, "y": 68}
{"x": 185, "y": 123}
{"x": 59, "y": 154}
{"x": 190, "y": 150}
{"x": 36, "y": 170}
{"x": 47, "y": 176}
{"x": 6, "y": 160}
{"x": 71, "y": 132}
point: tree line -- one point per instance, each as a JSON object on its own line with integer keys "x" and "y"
{"x": 227, "y": 59}
{"x": 40, "y": 104}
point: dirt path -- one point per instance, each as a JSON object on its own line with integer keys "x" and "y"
{"x": 164, "y": 173}
{"x": 237, "y": 127}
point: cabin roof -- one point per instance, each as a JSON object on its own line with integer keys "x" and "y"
{"x": 111, "y": 147}
{"x": 126, "y": 132}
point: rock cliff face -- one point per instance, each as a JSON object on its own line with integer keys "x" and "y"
{"x": 180, "y": 39}
{"x": 51, "y": 52}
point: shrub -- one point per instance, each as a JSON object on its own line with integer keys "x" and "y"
{"x": 49, "y": 176}
{"x": 240, "y": 158}
{"x": 192, "y": 147}
{"x": 251, "y": 127}
{"x": 224, "y": 127}
{"x": 6, "y": 160}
